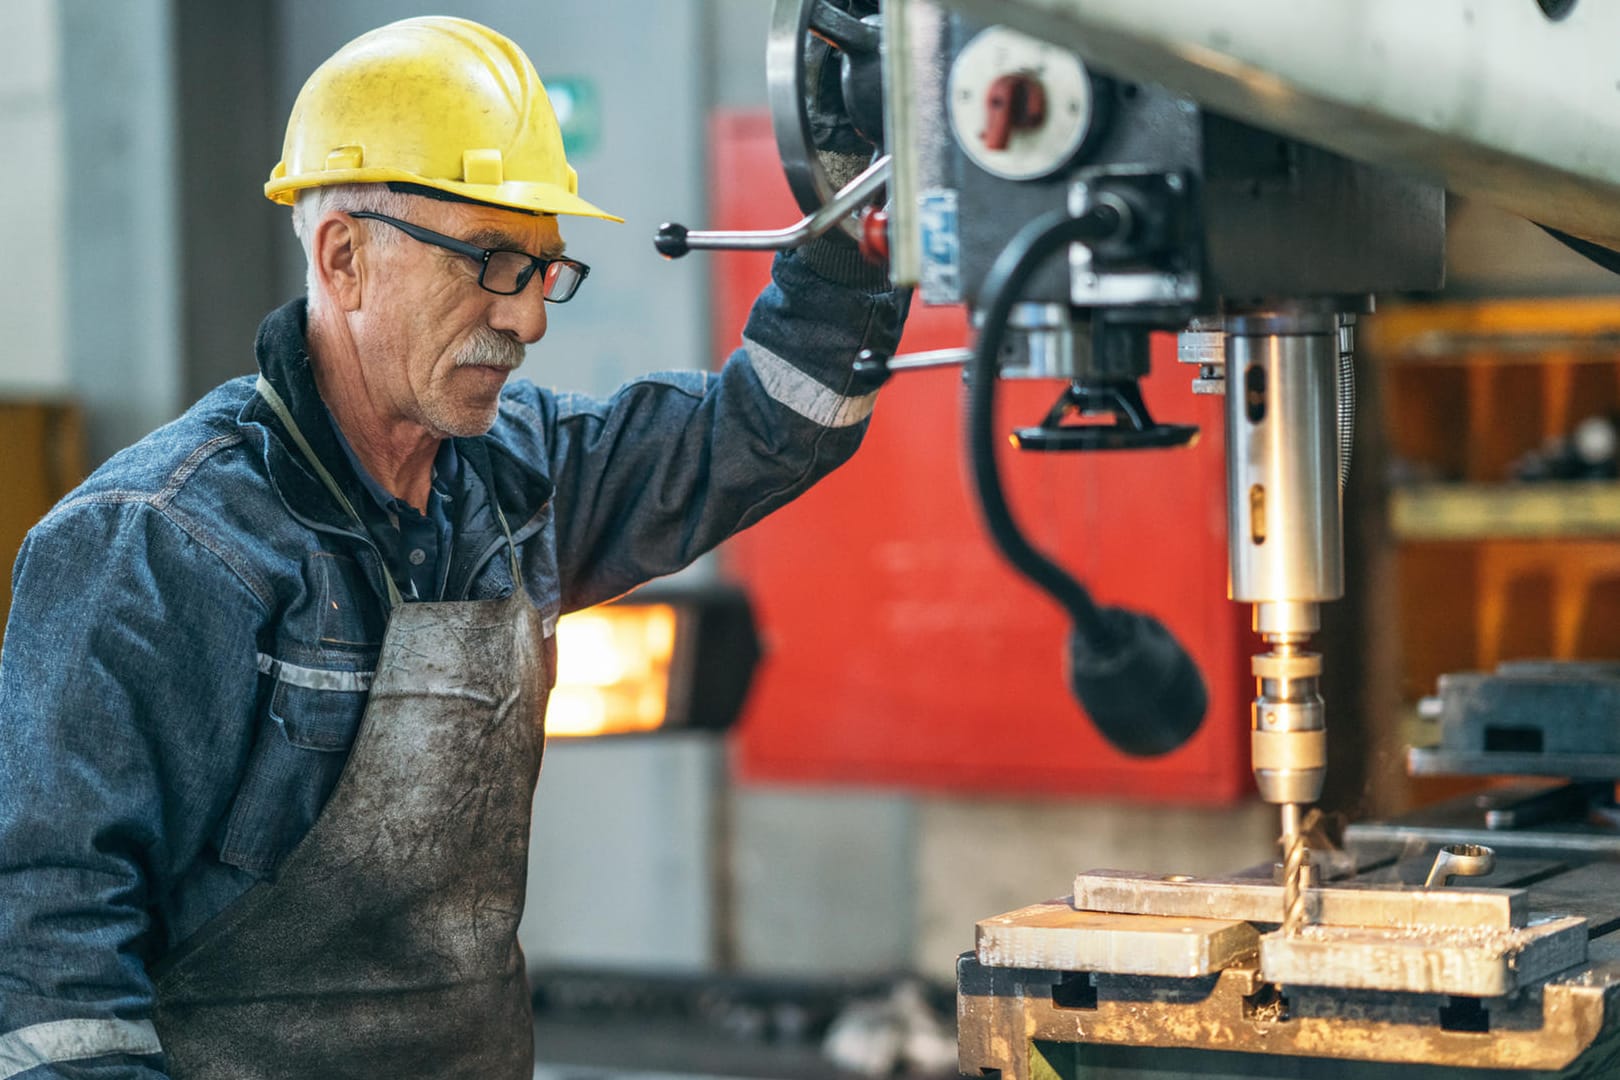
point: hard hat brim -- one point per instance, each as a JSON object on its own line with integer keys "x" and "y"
{"x": 531, "y": 198}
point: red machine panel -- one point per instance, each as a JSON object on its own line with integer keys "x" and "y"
{"x": 900, "y": 651}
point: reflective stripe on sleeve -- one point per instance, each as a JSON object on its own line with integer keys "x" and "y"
{"x": 74, "y": 1040}
{"x": 804, "y": 395}
{"x": 309, "y": 678}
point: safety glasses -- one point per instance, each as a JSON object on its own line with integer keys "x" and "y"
{"x": 499, "y": 271}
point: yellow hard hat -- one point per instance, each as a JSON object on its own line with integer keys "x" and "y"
{"x": 442, "y": 103}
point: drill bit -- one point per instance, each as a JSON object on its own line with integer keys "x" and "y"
{"x": 1297, "y": 875}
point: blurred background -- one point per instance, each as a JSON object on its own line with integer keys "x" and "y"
{"x": 824, "y": 826}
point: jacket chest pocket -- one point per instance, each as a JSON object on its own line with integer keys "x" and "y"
{"x": 347, "y": 615}
{"x": 301, "y": 747}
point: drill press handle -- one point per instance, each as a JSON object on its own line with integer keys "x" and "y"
{"x": 674, "y": 240}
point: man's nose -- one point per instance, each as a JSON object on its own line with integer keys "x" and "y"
{"x": 522, "y": 314}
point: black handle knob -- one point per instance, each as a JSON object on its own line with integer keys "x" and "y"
{"x": 1141, "y": 689}
{"x": 872, "y": 367}
{"x": 671, "y": 240}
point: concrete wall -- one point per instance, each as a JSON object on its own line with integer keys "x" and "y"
{"x": 625, "y": 857}
{"x": 120, "y": 228}
{"x": 232, "y": 259}
{"x": 33, "y": 361}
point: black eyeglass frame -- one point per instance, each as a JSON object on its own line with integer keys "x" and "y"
{"x": 481, "y": 256}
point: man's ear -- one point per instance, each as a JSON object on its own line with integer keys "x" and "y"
{"x": 337, "y": 263}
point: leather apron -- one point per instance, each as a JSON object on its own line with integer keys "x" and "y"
{"x": 387, "y": 944}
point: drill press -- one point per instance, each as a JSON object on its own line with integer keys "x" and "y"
{"x": 1009, "y": 150}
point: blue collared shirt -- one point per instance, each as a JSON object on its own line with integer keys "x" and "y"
{"x": 415, "y": 545}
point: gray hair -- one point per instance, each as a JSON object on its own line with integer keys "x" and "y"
{"x": 311, "y": 204}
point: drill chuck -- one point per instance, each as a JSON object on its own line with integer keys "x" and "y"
{"x": 1288, "y": 743}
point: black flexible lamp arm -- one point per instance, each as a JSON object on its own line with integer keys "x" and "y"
{"x": 1138, "y": 685}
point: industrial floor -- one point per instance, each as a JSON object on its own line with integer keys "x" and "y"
{"x": 617, "y": 1027}
{"x": 577, "y": 1049}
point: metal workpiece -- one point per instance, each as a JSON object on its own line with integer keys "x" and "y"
{"x": 1055, "y": 935}
{"x": 1480, "y": 944}
{"x": 1257, "y": 900}
{"x": 1416, "y": 960}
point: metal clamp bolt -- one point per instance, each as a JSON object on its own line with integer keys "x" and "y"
{"x": 1460, "y": 860}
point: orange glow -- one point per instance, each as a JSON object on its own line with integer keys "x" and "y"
{"x": 612, "y": 670}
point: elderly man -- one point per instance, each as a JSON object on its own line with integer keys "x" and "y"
{"x": 272, "y": 692}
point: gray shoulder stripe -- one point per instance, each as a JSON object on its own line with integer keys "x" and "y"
{"x": 74, "y": 1040}
{"x": 355, "y": 682}
{"x": 803, "y": 394}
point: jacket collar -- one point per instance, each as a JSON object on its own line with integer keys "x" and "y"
{"x": 283, "y": 358}
{"x": 284, "y": 362}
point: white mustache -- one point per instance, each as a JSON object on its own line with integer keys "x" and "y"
{"x": 491, "y": 348}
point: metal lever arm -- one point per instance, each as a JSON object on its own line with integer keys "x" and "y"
{"x": 871, "y": 366}
{"x": 674, "y": 240}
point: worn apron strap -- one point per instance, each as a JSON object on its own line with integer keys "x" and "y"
{"x": 284, "y": 414}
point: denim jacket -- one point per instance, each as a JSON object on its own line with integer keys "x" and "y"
{"x": 193, "y": 629}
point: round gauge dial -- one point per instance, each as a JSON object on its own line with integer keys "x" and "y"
{"x": 1020, "y": 108}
